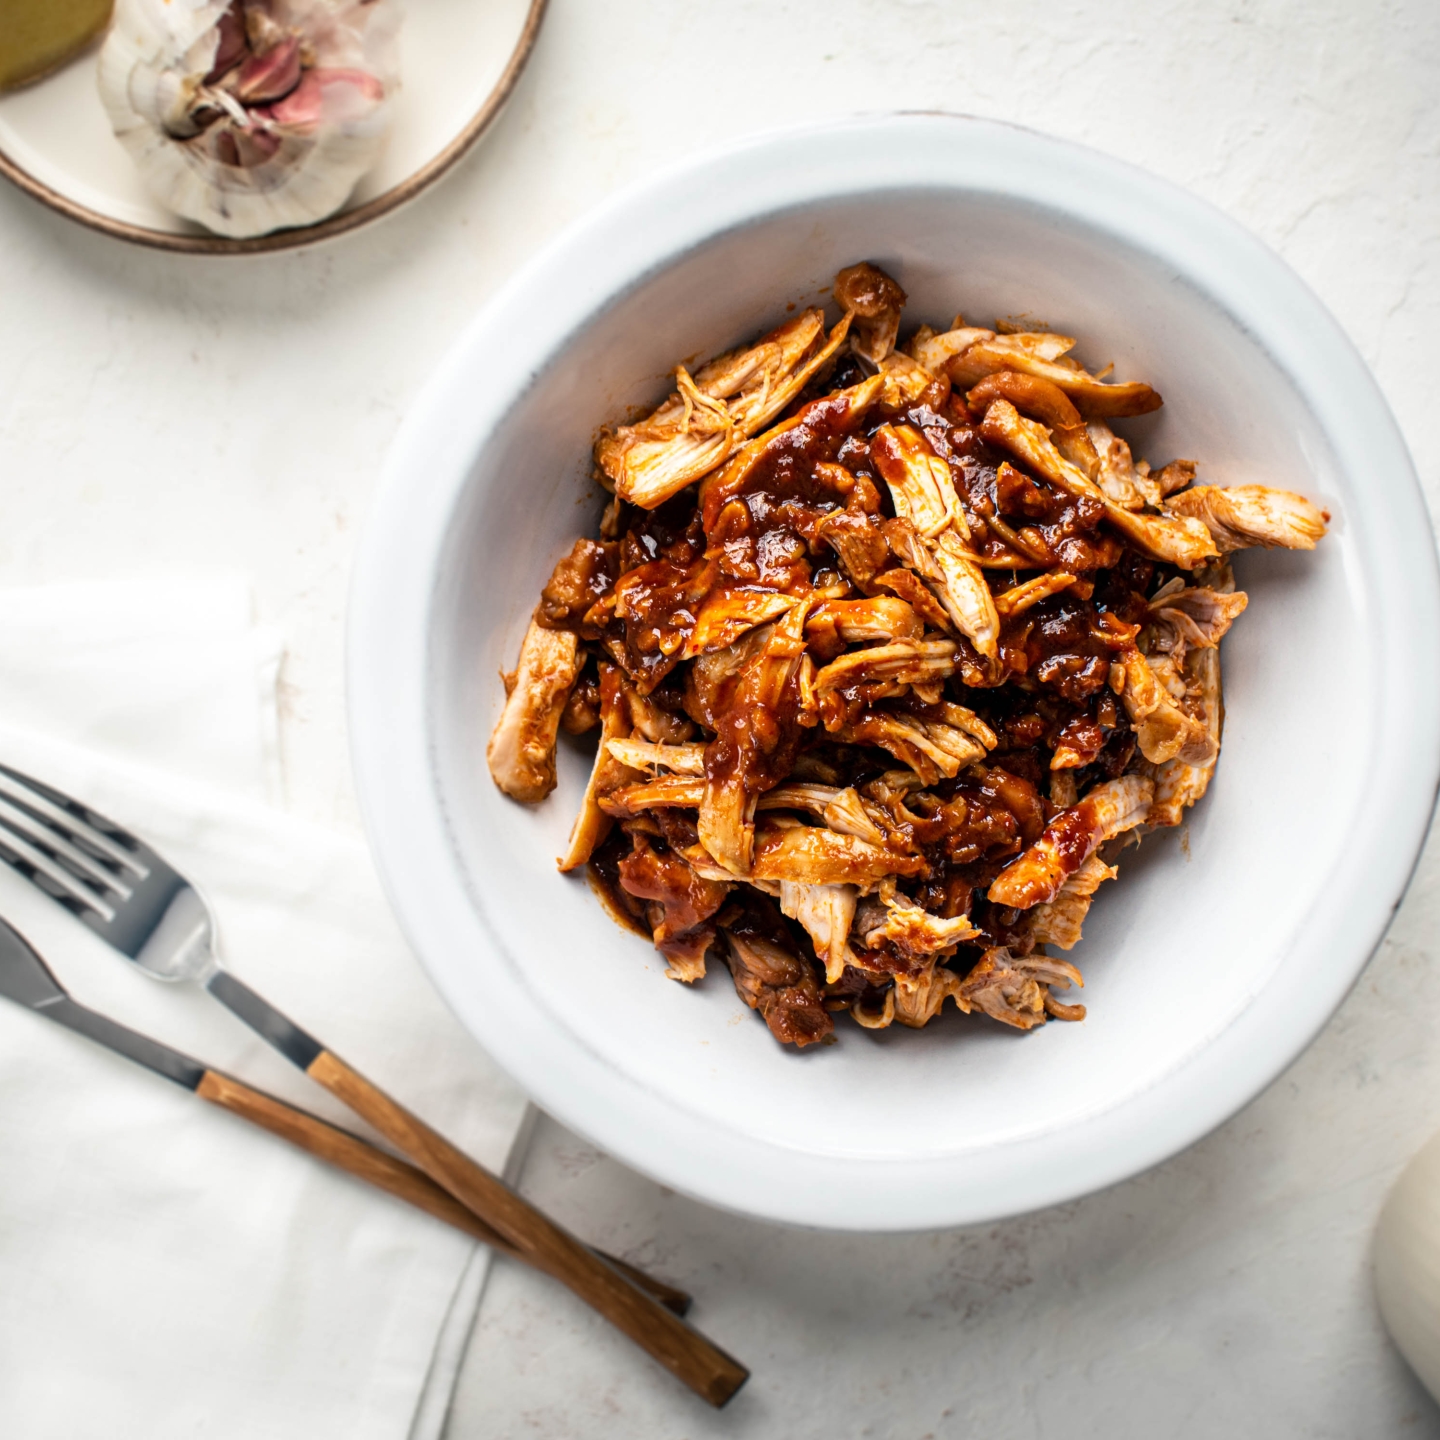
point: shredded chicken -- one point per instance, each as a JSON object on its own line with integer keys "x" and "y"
{"x": 1198, "y": 615}
{"x": 521, "y": 753}
{"x": 652, "y": 723}
{"x": 1037, "y": 355}
{"x": 874, "y": 301}
{"x": 848, "y": 813}
{"x": 607, "y": 775}
{"x": 1162, "y": 728}
{"x": 826, "y": 912}
{"x": 871, "y": 1019}
{"x": 1243, "y": 515}
{"x": 924, "y": 494}
{"x": 817, "y": 855}
{"x": 1070, "y": 839}
{"x": 935, "y": 352}
{"x": 773, "y": 979}
{"x": 835, "y": 623}
{"x": 1020, "y": 990}
{"x": 624, "y": 802}
{"x": 1180, "y": 783}
{"x": 859, "y": 542}
{"x": 700, "y": 426}
{"x": 1058, "y": 921}
{"x": 1175, "y": 537}
{"x": 844, "y": 811}
{"x": 1116, "y": 472}
{"x": 1044, "y": 401}
{"x": 1020, "y": 598}
{"x": 884, "y": 636}
{"x": 916, "y": 932}
{"x": 906, "y": 662}
{"x": 643, "y": 755}
{"x": 931, "y": 748}
{"x": 755, "y": 727}
{"x": 918, "y": 998}
{"x": 682, "y": 901}
{"x": 1175, "y": 476}
{"x": 726, "y": 615}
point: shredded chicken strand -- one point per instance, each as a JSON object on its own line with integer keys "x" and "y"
{"x": 702, "y": 424}
{"x": 1176, "y": 537}
{"x": 1058, "y": 921}
{"x": 521, "y": 753}
{"x": 1019, "y": 990}
{"x": 918, "y": 998}
{"x": 643, "y": 755}
{"x": 1243, "y": 515}
{"x": 1070, "y": 839}
{"x": 826, "y": 912}
{"x": 1162, "y": 727}
{"x": 607, "y": 775}
{"x": 916, "y": 932}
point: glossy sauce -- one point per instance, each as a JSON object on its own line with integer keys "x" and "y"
{"x": 774, "y": 517}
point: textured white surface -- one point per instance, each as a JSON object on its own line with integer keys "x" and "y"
{"x": 156, "y": 412}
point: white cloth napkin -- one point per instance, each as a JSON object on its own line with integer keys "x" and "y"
{"x": 167, "y": 670}
{"x": 166, "y": 1269}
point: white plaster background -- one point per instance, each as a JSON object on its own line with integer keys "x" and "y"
{"x": 159, "y": 413}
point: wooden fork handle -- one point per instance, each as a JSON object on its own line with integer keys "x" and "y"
{"x": 687, "y": 1354}
{"x": 365, "y": 1162}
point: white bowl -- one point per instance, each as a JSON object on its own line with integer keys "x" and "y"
{"x": 1215, "y": 958}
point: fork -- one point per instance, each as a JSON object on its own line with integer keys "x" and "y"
{"x": 144, "y": 908}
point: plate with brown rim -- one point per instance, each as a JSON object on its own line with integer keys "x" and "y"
{"x": 460, "y": 61}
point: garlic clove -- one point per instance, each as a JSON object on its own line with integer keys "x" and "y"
{"x": 231, "y": 45}
{"x": 270, "y": 76}
{"x": 342, "y": 94}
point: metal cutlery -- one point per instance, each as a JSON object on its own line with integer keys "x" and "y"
{"x": 27, "y": 980}
{"x": 144, "y": 908}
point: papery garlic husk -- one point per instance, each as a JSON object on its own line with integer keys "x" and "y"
{"x": 249, "y": 116}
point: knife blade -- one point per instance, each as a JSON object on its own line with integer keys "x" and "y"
{"x": 27, "y": 979}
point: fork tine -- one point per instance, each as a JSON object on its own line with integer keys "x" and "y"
{"x": 107, "y": 876}
{"x": 57, "y": 874}
{"x": 22, "y": 823}
{"x": 14, "y": 787}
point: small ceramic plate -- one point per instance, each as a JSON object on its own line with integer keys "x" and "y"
{"x": 460, "y": 60}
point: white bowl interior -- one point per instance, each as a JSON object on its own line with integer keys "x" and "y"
{"x": 1192, "y": 930}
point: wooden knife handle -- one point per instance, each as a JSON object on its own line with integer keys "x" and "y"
{"x": 687, "y": 1354}
{"x": 365, "y": 1162}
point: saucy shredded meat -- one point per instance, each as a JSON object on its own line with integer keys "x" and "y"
{"x": 884, "y": 644}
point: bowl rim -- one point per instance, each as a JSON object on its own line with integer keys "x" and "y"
{"x": 654, "y": 223}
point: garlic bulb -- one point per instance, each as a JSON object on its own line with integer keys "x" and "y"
{"x": 252, "y": 115}
{"x": 1407, "y": 1264}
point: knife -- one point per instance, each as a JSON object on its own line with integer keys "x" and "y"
{"x": 26, "y": 979}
